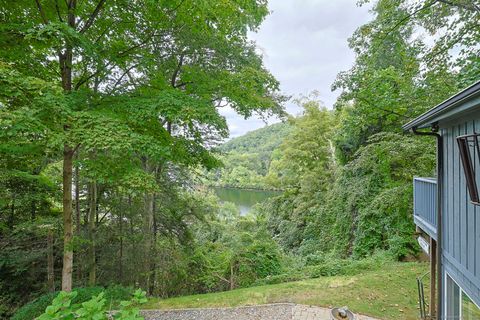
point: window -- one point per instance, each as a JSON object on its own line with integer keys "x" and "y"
{"x": 458, "y": 305}
{"x": 470, "y": 310}
{"x": 452, "y": 294}
{"x": 466, "y": 146}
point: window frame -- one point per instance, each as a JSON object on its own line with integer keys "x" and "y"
{"x": 453, "y": 309}
{"x": 465, "y": 149}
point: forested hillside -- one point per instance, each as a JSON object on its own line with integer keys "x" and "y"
{"x": 246, "y": 159}
{"x": 110, "y": 112}
{"x": 261, "y": 141}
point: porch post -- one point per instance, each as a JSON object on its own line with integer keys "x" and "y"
{"x": 433, "y": 265}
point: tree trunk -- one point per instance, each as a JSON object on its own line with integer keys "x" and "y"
{"x": 78, "y": 221}
{"x": 120, "y": 258}
{"x": 11, "y": 218}
{"x": 65, "y": 60}
{"x": 33, "y": 209}
{"x": 50, "y": 262}
{"x": 67, "y": 220}
{"x": 148, "y": 231}
{"x": 91, "y": 234}
{"x": 232, "y": 277}
{"x": 153, "y": 250}
{"x": 77, "y": 201}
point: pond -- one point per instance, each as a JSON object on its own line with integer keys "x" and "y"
{"x": 244, "y": 199}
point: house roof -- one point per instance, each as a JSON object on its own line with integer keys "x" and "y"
{"x": 447, "y": 109}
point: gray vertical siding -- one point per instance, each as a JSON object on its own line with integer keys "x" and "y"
{"x": 470, "y": 220}
{"x": 461, "y": 226}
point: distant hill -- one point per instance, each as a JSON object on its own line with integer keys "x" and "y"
{"x": 247, "y": 158}
{"x": 262, "y": 140}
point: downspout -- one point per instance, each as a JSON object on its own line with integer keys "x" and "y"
{"x": 439, "y": 211}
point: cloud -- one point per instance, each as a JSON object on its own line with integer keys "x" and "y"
{"x": 304, "y": 44}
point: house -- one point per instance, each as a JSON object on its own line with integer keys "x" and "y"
{"x": 447, "y": 209}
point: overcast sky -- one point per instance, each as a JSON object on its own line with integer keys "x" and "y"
{"x": 304, "y": 44}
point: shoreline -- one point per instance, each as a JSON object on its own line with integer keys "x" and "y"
{"x": 247, "y": 189}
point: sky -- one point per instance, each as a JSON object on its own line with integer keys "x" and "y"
{"x": 305, "y": 45}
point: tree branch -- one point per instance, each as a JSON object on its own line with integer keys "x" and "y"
{"x": 177, "y": 70}
{"x": 84, "y": 80}
{"x": 182, "y": 84}
{"x": 442, "y": 49}
{"x": 473, "y": 8}
{"x": 139, "y": 45}
{"x": 121, "y": 77}
{"x": 176, "y": 8}
{"x": 382, "y": 109}
{"x": 399, "y": 23}
{"x": 42, "y": 13}
{"x": 57, "y": 8}
{"x": 92, "y": 17}
{"x": 118, "y": 55}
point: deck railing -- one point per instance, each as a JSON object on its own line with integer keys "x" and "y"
{"x": 425, "y": 204}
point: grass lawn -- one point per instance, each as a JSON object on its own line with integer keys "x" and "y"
{"x": 386, "y": 293}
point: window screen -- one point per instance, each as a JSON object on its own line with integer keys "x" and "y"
{"x": 467, "y": 146}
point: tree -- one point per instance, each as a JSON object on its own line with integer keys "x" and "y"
{"x": 392, "y": 80}
{"x": 303, "y": 166}
{"x": 142, "y": 79}
{"x": 307, "y": 150}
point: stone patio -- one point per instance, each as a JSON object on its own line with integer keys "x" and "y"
{"x": 279, "y": 311}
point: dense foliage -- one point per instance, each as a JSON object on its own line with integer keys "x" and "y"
{"x": 109, "y": 110}
{"x": 113, "y": 296}
{"x": 106, "y": 110}
{"x": 95, "y": 308}
{"x": 346, "y": 173}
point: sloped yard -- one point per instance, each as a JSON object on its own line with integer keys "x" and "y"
{"x": 387, "y": 293}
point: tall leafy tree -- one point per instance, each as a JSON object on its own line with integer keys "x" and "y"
{"x": 142, "y": 81}
{"x": 394, "y": 77}
{"x": 303, "y": 166}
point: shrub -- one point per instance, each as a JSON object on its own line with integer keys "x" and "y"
{"x": 95, "y": 308}
{"x": 35, "y": 308}
{"x": 329, "y": 265}
{"x": 281, "y": 278}
{"x": 113, "y": 296}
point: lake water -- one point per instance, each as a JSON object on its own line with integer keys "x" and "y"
{"x": 244, "y": 199}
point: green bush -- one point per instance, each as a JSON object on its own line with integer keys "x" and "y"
{"x": 336, "y": 267}
{"x": 35, "y": 308}
{"x": 329, "y": 265}
{"x": 62, "y": 307}
{"x": 281, "y": 278}
{"x": 113, "y": 296}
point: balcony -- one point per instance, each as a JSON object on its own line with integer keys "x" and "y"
{"x": 425, "y": 205}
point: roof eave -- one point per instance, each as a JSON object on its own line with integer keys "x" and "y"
{"x": 431, "y": 116}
